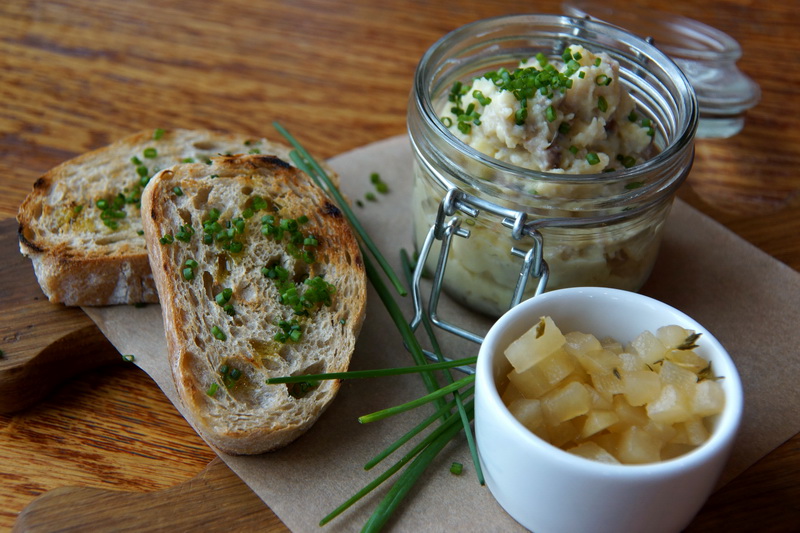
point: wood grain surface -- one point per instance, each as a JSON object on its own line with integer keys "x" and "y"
{"x": 77, "y": 74}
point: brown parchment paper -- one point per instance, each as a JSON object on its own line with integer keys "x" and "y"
{"x": 747, "y": 299}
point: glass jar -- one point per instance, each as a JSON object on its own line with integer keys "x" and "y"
{"x": 706, "y": 55}
{"x": 591, "y": 229}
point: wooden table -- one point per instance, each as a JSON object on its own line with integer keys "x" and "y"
{"x": 77, "y": 74}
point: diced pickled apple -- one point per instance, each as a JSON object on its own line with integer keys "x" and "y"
{"x": 672, "y": 336}
{"x": 628, "y": 414}
{"x": 687, "y": 359}
{"x": 577, "y": 342}
{"x": 631, "y": 361}
{"x": 566, "y": 402}
{"x": 671, "y": 407}
{"x": 528, "y": 412}
{"x": 648, "y": 347}
{"x": 640, "y": 386}
{"x": 593, "y": 451}
{"x": 563, "y": 433}
{"x": 663, "y": 432}
{"x": 558, "y": 366}
{"x": 672, "y": 450}
{"x": 597, "y": 420}
{"x": 598, "y": 401}
{"x": 637, "y": 446}
{"x": 611, "y": 345}
{"x": 510, "y": 393}
{"x": 680, "y": 436}
{"x": 607, "y": 385}
{"x": 535, "y": 344}
{"x": 607, "y": 441}
{"x": 532, "y": 383}
{"x": 599, "y": 361}
{"x": 683, "y": 380}
{"x": 696, "y": 431}
{"x": 708, "y": 399}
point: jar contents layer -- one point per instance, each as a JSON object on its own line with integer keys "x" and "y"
{"x": 572, "y": 120}
{"x": 571, "y": 116}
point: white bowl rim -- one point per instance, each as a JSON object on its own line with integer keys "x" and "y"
{"x": 719, "y": 441}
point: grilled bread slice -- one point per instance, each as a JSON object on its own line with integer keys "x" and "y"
{"x": 80, "y": 225}
{"x": 259, "y": 275}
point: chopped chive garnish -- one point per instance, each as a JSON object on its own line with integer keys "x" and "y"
{"x": 218, "y": 334}
{"x": 592, "y": 158}
{"x": 128, "y": 358}
{"x": 167, "y": 239}
{"x": 573, "y": 149}
{"x": 212, "y": 390}
{"x": 550, "y": 113}
{"x": 150, "y": 153}
{"x": 305, "y": 162}
{"x": 157, "y": 134}
{"x": 178, "y": 191}
{"x": 456, "y": 469}
{"x": 602, "y": 104}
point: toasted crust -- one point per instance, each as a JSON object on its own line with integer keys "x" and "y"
{"x": 250, "y": 417}
{"x": 77, "y": 258}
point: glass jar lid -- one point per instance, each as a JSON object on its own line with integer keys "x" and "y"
{"x": 705, "y": 54}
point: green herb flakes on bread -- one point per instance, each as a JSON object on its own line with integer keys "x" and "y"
{"x": 259, "y": 275}
{"x": 80, "y": 225}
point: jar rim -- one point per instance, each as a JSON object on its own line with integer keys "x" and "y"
{"x": 686, "y": 100}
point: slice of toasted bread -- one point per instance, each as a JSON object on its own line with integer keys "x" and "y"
{"x": 240, "y": 271}
{"x": 81, "y": 227}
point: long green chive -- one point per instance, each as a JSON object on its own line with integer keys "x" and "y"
{"x": 438, "y": 437}
{"x": 361, "y": 374}
{"x": 465, "y": 420}
{"x": 306, "y": 163}
{"x": 409, "y": 477}
{"x": 402, "y": 408}
{"x": 443, "y": 411}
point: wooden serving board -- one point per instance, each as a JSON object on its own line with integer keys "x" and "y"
{"x": 48, "y": 344}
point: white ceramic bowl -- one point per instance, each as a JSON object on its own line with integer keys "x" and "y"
{"x": 549, "y": 490}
